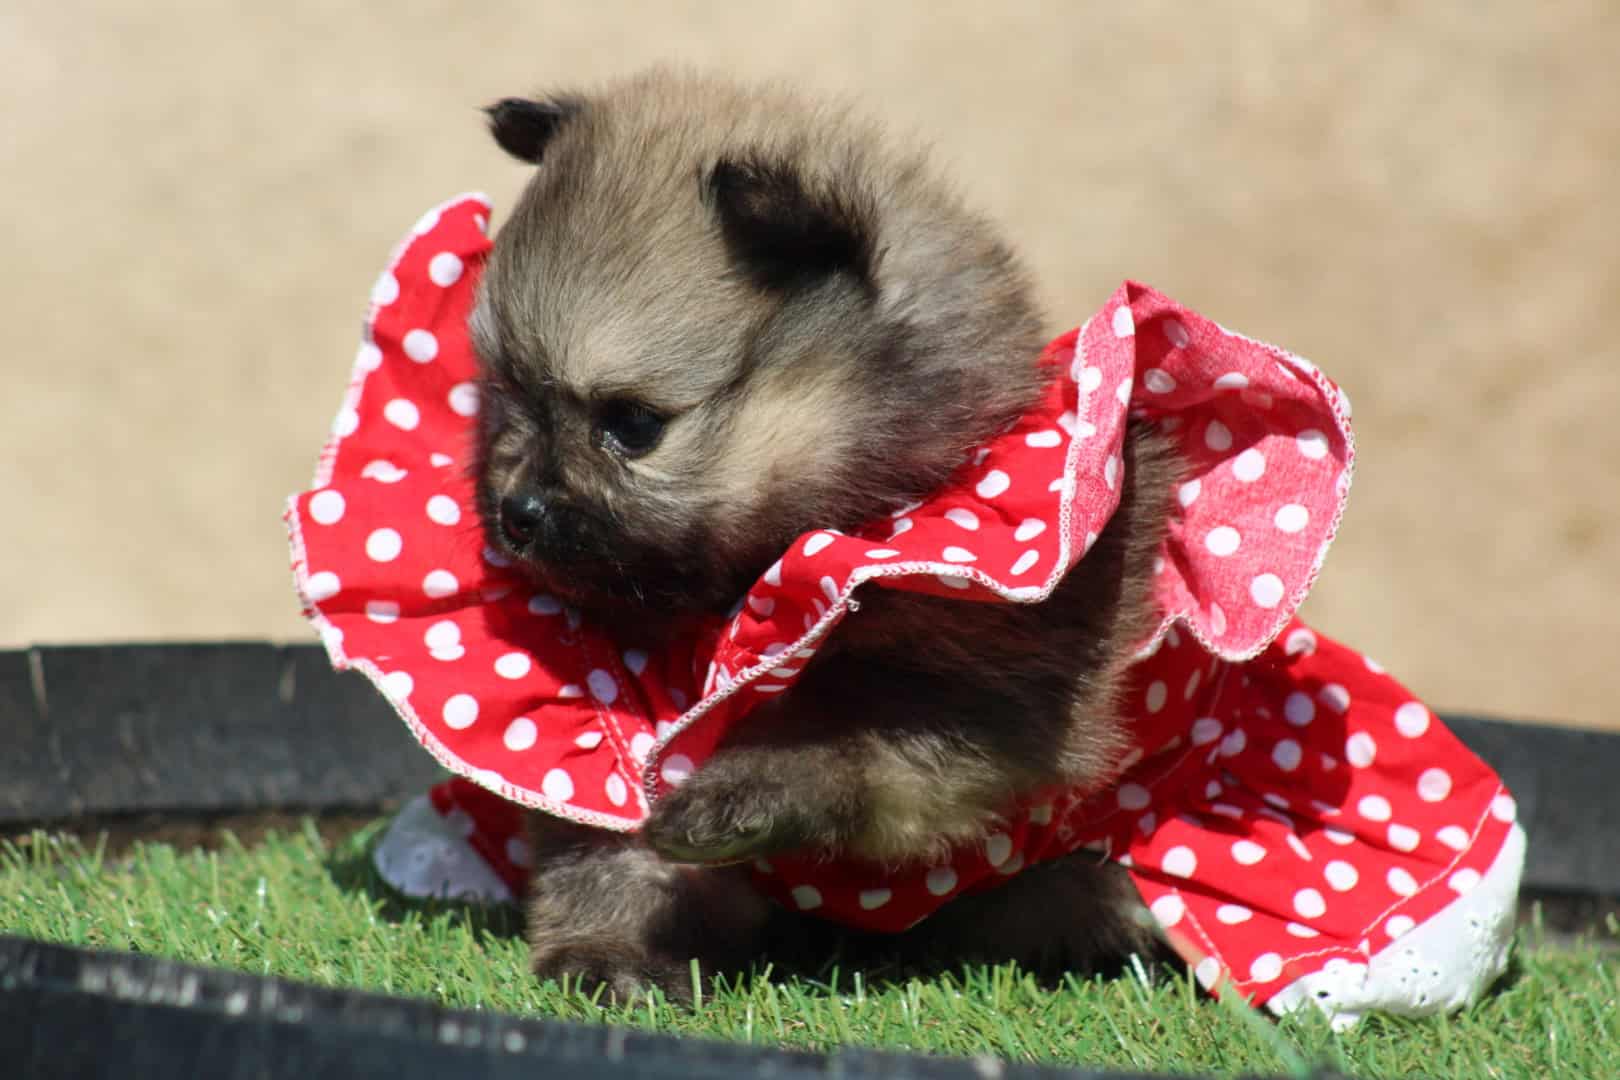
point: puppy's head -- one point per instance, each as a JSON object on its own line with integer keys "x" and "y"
{"x": 717, "y": 318}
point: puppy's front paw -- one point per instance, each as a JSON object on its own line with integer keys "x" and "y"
{"x": 624, "y": 973}
{"x": 734, "y": 808}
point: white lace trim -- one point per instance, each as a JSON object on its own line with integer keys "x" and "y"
{"x": 1442, "y": 965}
{"x": 426, "y": 854}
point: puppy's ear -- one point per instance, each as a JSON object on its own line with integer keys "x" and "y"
{"x": 523, "y": 126}
{"x": 783, "y": 234}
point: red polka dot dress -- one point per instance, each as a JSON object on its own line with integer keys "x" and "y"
{"x": 1301, "y": 827}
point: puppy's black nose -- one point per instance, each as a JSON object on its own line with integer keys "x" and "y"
{"x": 521, "y": 516}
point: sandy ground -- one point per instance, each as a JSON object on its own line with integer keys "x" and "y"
{"x": 1421, "y": 198}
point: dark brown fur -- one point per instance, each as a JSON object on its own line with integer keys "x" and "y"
{"x": 815, "y": 331}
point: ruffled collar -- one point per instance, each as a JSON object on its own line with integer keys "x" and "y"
{"x": 507, "y": 686}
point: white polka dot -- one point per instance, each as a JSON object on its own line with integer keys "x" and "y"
{"x": 817, "y": 544}
{"x": 1403, "y": 837}
{"x": 997, "y": 847}
{"x": 1168, "y": 909}
{"x": 443, "y": 510}
{"x": 1334, "y": 697}
{"x": 402, "y": 414}
{"x": 1291, "y": 518}
{"x": 382, "y": 611}
{"x": 1299, "y": 931}
{"x": 1359, "y": 749}
{"x": 951, "y": 581}
{"x": 959, "y": 555}
{"x": 1338, "y": 836}
{"x": 1176, "y": 334}
{"x": 615, "y": 789}
{"x": 1247, "y": 852}
{"x": 1122, "y": 392}
{"x": 1124, "y": 324}
{"x": 940, "y": 880}
{"x": 1133, "y": 797}
{"x": 464, "y": 399}
{"x": 676, "y": 768}
{"x": 1372, "y": 665}
{"x": 1434, "y": 785}
{"x": 1187, "y": 493}
{"x": 1297, "y": 846}
{"x": 1192, "y": 684}
{"x": 1374, "y": 808}
{"x": 1111, "y": 472}
{"x": 1158, "y": 381}
{"x": 1312, "y": 443}
{"x": 460, "y": 711}
{"x": 1217, "y": 619}
{"x": 1157, "y": 692}
{"x": 1012, "y": 865}
{"x": 1233, "y": 914}
{"x": 439, "y": 461}
{"x": 557, "y": 784}
{"x": 588, "y": 740}
{"x": 439, "y": 584}
{"x": 1179, "y": 861}
{"x": 1266, "y": 967}
{"x": 1208, "y": 972}
{"x": 1089, "y": 378}
{"x": 635, "y": 660}
{"x": 384, "y": 545}
{"x": 604, "y": 687}
{"x": 398, "y": 685}
{"x": 872, "y": 899}
{"x": 383, "y": 471}
{"x": 322, "y": 585}
{"x": 445, "y": 269}
{"x": 1412, "y": 719}
{"x": 1249, "y": 466}
{"x": 963, "y": 518}
{"x": 1232, "y": 380}
{"x": 1218, "y": 437}
{"x": 1400, "y": 882}
{"x": 1287, "y": 755}
{"x": 520, "y": 734}
{"x": 1028, "y": 529}
{"x": 1341, "y": 875}
{"x": 421, "y": 346}
{"x": 1205, "y": 730}
{"x": 1301, "y": 642}
{"x": 1463, "y": 881}
{"x": 1454, "y": 837}
{"x": 1025, "y": 561}
{"x": 518, "y": 852}
{"x": 1309, "y": 904}
{"x": 1400, "y": 924}
{"x": 1233, "y": 744}
{"x": 386, "y": 289}
{"x": 1043, "y": 440}
{"x": 1299, "y": 709}
{"x": 1266, "y": 590}
{"x": 994, "y": 483}
{"x": 513, "y": 665}
{"x": 326, "y": 507}
{"x": 806, "y": 897}
{"x": 1040, "y": 814}
{"x": 1222, "y": 540}
{"x": 882, "y": 553}
{"x": 443, "y": 634}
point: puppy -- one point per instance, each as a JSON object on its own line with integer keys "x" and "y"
{"x": 720, "y": 317}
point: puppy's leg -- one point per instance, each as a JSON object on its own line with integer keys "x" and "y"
{"x": 603, "y": 909}
{"x": 876, "y": 762}
{"x": 1070, "y": 914}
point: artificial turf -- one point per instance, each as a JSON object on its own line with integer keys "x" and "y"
{"x": 297, "y": 907}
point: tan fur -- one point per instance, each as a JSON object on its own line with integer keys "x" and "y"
{"x": 821, "y": 331}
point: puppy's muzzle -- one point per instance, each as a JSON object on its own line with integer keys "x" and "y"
{"x": 544, "y": 529}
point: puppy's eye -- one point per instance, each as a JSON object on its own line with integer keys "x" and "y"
{"x": 630, "y": 425}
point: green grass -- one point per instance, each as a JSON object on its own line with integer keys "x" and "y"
{"x": 293, "y": 906}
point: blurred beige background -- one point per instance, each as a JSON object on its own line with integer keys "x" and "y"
{"x": 1422, "y": 198}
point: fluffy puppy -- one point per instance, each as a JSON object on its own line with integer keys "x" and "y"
{"x": 720, "y": 317}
